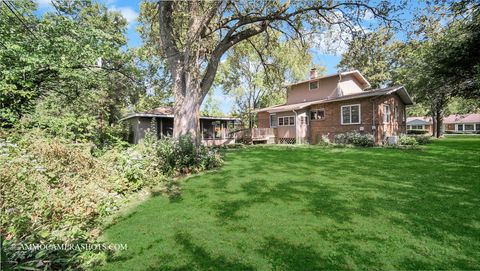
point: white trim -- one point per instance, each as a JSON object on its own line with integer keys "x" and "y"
{"x": 270, "y": 120}
{"x": 385, "y": 113}
{"x": 316, "y": 110}
{"x": 287, "y": 117}
{"x": 359, "y": 114}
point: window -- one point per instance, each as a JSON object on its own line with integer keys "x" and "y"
{"x": 468, "y": 127}
{"x": 318, "y": 114}
{"x": 417, "y": 127}
{"x": 477, "y": 126}
{"x": 286, "y": 121}
{"x": 303, "y": 120}
{"x": 459, "y": 127}
{"x": 350, "y": 114}
{"x": 395, "y": 110}
{"x": 386, "y": 113}
{"x": 313, "y": 85}
{"x": 273, "y": 121}
{"x": 409, "y": 127}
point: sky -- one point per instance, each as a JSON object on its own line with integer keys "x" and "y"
{"x": 130, "y": 9}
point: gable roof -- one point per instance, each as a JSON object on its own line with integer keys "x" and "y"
{"x": 400, "y": 90}
{"x": 355, "y": 73}
{"x": 167, "y": 112}
{"x": 419, "y": 120}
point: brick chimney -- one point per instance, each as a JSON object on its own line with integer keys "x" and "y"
{"x": 313, "y": 73}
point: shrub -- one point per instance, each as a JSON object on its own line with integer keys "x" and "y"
{"x": 407, "y": 140}
{"x": 423, "y": 140}
{"x": 323, "y": 140}
{"x": 417, "y": 132}
{"x": 355, "y": 138}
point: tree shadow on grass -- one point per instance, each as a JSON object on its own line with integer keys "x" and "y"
{"x": 201, "y": 259}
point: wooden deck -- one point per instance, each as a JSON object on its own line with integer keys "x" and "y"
{"x": 256, "y": 136}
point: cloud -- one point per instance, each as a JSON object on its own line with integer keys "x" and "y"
{"x": 127, "y": 12}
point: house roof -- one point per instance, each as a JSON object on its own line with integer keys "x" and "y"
{"x": 419, "y": 120}
{"x": 167, "y": 112}
{"x": 400, "y": 90}
{"x": 468, "y": 118}
{"x": 355, "y": 73}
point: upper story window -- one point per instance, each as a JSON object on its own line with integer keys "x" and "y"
{"x": 386, "y": 113}
{"x": 273, "y": 121}
{"x": 350, "y": 114}
{"x": 317, "y": 114}
{"x": 313, "y": 85}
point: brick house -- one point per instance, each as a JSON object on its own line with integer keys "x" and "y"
{"x": 333, "y": 104}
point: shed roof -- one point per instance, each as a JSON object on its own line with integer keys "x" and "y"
{"x": 167, "y": 112}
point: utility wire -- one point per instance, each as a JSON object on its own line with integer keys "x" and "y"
{"x": 7, "y": 4}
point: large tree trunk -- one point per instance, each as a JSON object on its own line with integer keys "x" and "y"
{"x": 188, "y": 99}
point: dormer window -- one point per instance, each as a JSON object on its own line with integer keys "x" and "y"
{"x": 313, "y": 85}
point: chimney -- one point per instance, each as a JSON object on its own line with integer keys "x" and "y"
{"x": 313, "y": 73}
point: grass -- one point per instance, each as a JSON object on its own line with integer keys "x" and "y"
{"x": 307, "y": 208}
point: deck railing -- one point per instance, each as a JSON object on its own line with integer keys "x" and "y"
{"x": 255, "y": 134}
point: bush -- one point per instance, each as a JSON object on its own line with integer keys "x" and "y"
{"x": 407, "y": 140}
{"x": 423, "y": 140}
{"x": 417, "y": 132}
{"x": 355, "y": 138}
{"x": 323, "y": 140}
{"x": 180, "y": 156}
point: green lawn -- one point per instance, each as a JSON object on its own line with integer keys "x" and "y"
{"x": 305, "y": 208}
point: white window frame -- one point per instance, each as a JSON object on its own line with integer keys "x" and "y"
{"x": 464, "y": 129}
{"x": 386, "y": 113}
{"x": 310, "y": 86}
{"x": 359, "y": 114}
{"x": 415, "y": 127}
{"x": 316, "y": 110}
{"x": 477, "y": 126}
{"x": 270, "y": 120}
{"x": 458, "y": 125}
{"x": 286, "y": 118}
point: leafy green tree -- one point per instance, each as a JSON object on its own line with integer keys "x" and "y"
{"x": 75, "y": 53}
{"x": 373, "y": 54}
{"x": 253, "y": 74}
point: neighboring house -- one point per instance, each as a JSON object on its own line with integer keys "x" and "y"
{"x": 468, "y": 123}
{"x": 215, "y": 130}
{"x": 333, "y": 104}
{"x": 420, "y": 124}
{"x": 462, "y": 123}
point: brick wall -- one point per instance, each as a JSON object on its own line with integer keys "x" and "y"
{"x": 331, "y": 125}
{"x": 263, "y": 119}
{"x": 371, "y": 115}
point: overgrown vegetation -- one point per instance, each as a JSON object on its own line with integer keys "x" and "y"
{"x": 54, "y": 191}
